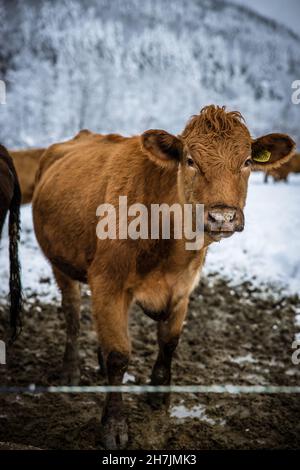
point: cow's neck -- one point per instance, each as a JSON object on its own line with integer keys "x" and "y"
{"x": 161, "y": 186}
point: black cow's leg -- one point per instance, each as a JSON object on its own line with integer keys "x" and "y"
{"x": 110, "y": 310}
{"x": 114, "y": 420}
{"x": 161, "y": 372}
{"x": 168, "y": 337}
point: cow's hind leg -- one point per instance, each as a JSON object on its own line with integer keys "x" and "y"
{"x": 110, "y": 311}
{"x": 71, "y": 299}
{"x": 168, "y": 337}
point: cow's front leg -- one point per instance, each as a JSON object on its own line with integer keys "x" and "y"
{"x": 168, "y": 337}
{"x": 110, "y": 311}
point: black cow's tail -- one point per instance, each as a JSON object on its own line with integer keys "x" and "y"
{"x": 15, "y": 285}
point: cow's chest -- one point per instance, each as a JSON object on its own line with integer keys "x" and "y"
{"x": 158, "y": 292}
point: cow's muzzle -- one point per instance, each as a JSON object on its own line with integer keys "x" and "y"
{"x": 222, "y": 221}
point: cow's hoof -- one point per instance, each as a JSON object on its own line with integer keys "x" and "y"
{"x": 115, "y": 433}
{"x": 158, "y": 400}
{"x": 70, "y": 375}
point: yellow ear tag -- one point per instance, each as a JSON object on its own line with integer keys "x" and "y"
{"x": 263, "y": 156}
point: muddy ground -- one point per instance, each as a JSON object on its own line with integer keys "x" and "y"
{"x": 237, "y": 335}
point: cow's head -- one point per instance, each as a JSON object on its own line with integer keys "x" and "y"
{"x": 214, "y": 156}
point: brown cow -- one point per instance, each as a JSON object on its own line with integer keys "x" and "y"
{"x": 209, "y": 163}
{"x": 10, "y": 200}
{"x": 282, "y": 173}
{"x": 26, "y": 164}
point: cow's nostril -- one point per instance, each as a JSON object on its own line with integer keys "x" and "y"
{"x": 211, "y": 217}
{"x": 221, "y": 216}
{"x": 229, "y": 216}
{"x": 216, "y": 217}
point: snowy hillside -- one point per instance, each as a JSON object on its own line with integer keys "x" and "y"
{"x": 127, "y": 65}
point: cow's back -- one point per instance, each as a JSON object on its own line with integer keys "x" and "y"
{"x": 85, "y": 149}
{"x": 73, "y": 179}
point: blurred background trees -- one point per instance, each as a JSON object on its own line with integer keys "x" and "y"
{"x": 125, "y": 66}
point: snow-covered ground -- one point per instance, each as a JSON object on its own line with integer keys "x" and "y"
{"x": 267, "y": 252}
{"x": 35, "y": 269}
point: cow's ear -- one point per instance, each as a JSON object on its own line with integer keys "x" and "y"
{"x": 163, "y": 148}
{"x": 271, "y": 151}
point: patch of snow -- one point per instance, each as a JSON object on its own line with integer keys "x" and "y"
{"x": 297, "y": 316}
{"x": 197, "y": 411}
{"x": 37, "y": 277}
{"x": 297, "y": 337}
{"x": 128, "y": 378}
{"x": 291, "y": 372}
{"x": 243, "y": 359}
{"x": 256, "y": 379}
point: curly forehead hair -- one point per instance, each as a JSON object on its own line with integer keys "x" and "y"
{"x": 216, "y": 122}
{"x": 217, "y": 138}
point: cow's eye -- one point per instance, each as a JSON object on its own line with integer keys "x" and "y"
{"x": 190, "y": 161}
{"x": 248, "y": 162}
